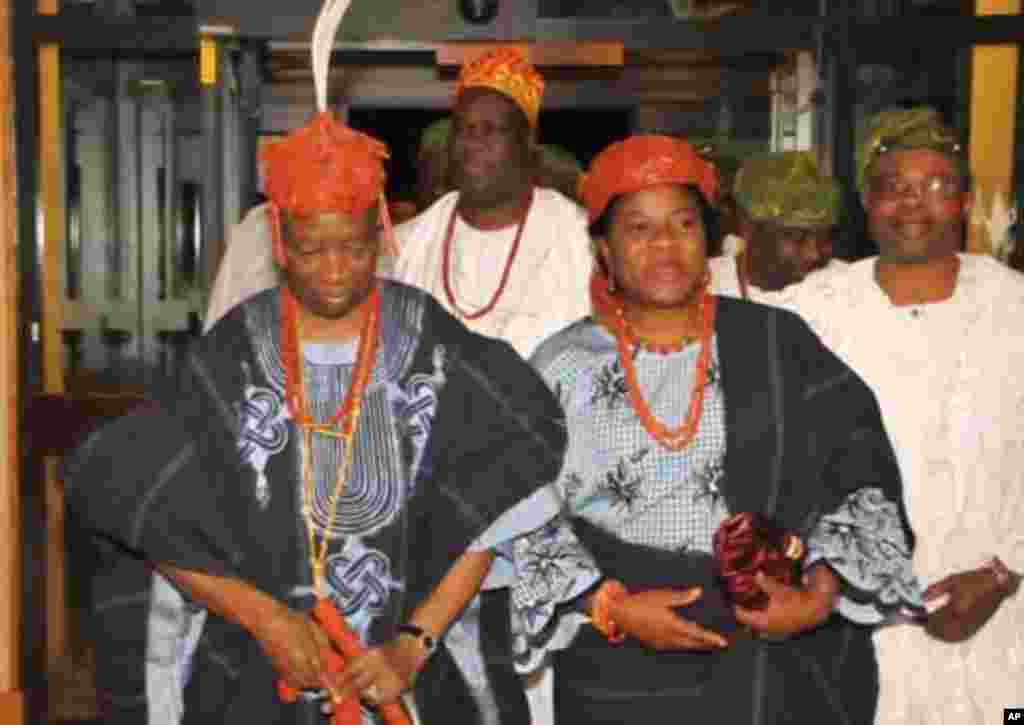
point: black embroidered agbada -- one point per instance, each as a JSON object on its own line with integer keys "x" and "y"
{"x": 455, "y": 429}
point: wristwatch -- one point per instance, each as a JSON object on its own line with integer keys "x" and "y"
{"x": 426, "y": 640}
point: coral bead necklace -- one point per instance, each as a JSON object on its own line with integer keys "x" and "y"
{"x": 446, "y": 253}
{"x": 678, "y": 438}
{"x": 342, "y": 425}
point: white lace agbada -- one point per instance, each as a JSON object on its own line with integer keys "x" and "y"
{"x": 949, "y": 378}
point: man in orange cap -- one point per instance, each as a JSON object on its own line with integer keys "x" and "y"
{"x": 317, "y": 449}
{"x": 509, "y": 258}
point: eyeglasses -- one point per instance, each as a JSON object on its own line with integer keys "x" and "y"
{"x": 931, "y": 188}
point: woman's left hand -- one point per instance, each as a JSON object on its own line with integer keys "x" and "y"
{"x": 792, "y": 610}
{"x": 382, "y": 674}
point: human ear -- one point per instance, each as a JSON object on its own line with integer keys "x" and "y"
{"x": 603, "y": 251}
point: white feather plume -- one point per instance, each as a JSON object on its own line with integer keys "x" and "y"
{"x": 323, "y": 43}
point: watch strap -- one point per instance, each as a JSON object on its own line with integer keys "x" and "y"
{"x": 426, "y": 640}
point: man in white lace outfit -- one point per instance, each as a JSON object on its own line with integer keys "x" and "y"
{"x": 935, "y": 332}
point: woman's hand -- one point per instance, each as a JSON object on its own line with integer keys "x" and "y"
{"x": 651, "y": 618}
{"x": 383, "y": 673}
{"x": 973, "y": 597}
{"x": 792, "y": 610}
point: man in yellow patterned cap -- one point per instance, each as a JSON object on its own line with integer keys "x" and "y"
{"x": 509, "y": 258}
{"x": 786, "y": 211}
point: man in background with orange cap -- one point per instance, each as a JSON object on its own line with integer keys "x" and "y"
{"x": 316, "y": 449}
{"x": 509, "y": 258}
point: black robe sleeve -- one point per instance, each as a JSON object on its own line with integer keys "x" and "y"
{"x": 157, "y": 481}
{"x": 499, "y": 436}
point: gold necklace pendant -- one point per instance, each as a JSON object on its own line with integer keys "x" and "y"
{"x": 342, "y": 427}
{"x": 319, "y": 583}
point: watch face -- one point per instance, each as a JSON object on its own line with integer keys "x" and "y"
{"x": 428, "y": 642}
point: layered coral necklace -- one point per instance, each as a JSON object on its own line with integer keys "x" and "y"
{"x": 446, "y": 251}
{"x": 674, "y": 439}
{"x": 342, "y": 425}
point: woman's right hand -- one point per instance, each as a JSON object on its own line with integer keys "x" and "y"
{"x": 650, "y": 617}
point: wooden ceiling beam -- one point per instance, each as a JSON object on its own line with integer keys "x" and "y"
{"x": 596, "y": 53}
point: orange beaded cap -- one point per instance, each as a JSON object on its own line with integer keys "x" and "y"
{"x": 324, "y": 166}
{"x": 640, "y": 162}
{"x": 507, "y": 71}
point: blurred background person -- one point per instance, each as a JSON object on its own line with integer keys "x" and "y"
{"x": 786, "y": 211}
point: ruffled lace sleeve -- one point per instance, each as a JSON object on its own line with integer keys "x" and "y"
{"x": 552, "y": 569}
{"x": 865, "y": 544}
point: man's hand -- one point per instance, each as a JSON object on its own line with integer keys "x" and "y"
{"x": 973, "y": 597}
{"x": 651, "y": 618}
{"x": 294, "y": 643}
{"x": 383, "y": 673}
{"x": 792, "y": 610}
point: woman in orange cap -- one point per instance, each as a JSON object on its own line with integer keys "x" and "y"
{"x": 685, "y": 410}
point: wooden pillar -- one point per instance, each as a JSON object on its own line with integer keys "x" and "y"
{"x": 11, "y": 697}
{"x": 993, "y": 119}
{"x": 59, "y": 660}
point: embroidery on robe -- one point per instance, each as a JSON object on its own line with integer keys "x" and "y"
{"x": 707, "y": 482}
{"x": 374, "y": 492}
{"x": 624, "y": 483}
{"x": 417, "y": 406}
{"x": 610, "y": 386}
{"x": 361, "y": 581}
{"x": 263, "y": 432}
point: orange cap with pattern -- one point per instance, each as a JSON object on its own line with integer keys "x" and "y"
{"x": 507, "y": 71}
{"x": 324, "y": 166}
{"x": 640, "y": 162}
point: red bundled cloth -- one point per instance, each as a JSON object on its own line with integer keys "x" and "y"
{"x": 346, "y": 646}
{"x": 748, "y": 543}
